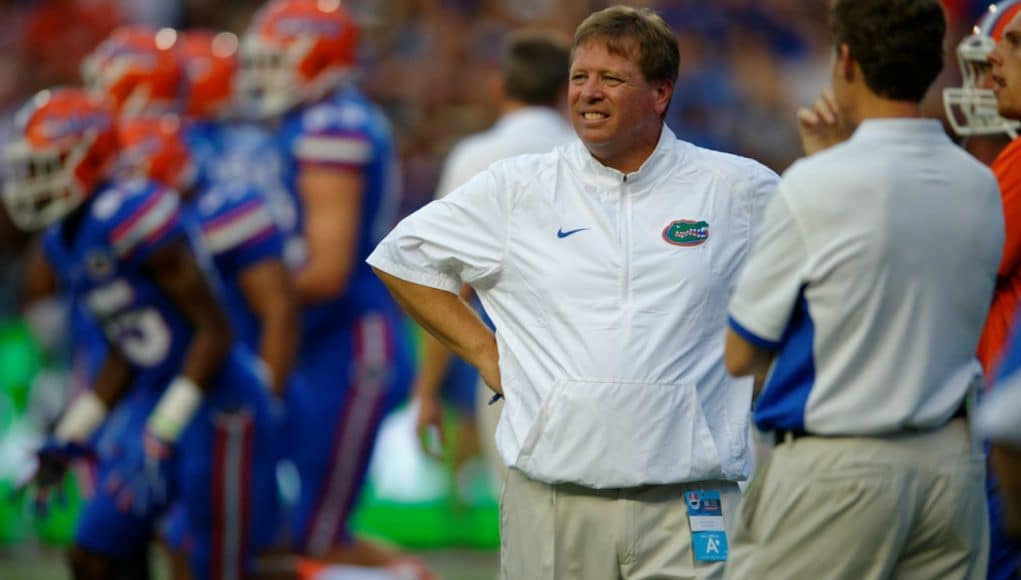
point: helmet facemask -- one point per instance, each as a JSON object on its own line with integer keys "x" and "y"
{"x": 972, "y": 109}
{"x": 40, "y": 186}
{"x": 266, "y": 79}
{"x": 271, "y": 80}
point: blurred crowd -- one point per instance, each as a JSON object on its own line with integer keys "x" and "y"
{"x": 746, "y": 65}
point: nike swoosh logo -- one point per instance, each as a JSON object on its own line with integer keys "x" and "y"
{"x": 562, "y": 234}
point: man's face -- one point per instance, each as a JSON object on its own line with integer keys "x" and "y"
{"x": 615, "y": 111}
{"x": 1006, "y": 70}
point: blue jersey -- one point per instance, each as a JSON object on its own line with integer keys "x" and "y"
{"x": 231, "y": 152}
{"x": 235, "y": 153}
{"x": 242, "y": 208}
{"x": 239, "y": 232}
{"x": 345, "y": 130}
{"x": 1004, "y": 551}
{"x": 101, "y": 261}
{"x": 88, "y": 345}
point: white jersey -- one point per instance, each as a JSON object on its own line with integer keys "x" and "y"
{"x": 609, "y": 293}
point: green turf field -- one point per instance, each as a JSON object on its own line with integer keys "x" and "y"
{"x": 32, "y": 564}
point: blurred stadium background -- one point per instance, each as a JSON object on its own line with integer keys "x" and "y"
{"x": 746, "y": 66}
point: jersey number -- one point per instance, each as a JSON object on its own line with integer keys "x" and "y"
{"x": 142, "y": 336}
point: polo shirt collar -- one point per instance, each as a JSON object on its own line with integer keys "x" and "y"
{"x": 538, "y": 113}
{"x": 667, "y": 154}
{"x": 910, "y": 128}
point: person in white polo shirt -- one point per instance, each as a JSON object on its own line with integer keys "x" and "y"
{"x": 606, "y": 266}
{"x": 861, "y": 307}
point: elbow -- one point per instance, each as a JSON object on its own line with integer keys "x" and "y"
{"x": 740, "y": 357}
{"x": 320, "y": 285}
{"x": 737, "y": 365}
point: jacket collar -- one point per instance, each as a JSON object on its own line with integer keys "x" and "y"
{"x": 666, "y": 155}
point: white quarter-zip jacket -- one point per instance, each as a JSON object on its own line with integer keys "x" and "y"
{"x": 609, "y": 295}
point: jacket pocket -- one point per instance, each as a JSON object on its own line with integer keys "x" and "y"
{"x": 601, "y": 433}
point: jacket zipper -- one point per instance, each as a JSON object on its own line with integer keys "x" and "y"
{"x": 624, "y": 219}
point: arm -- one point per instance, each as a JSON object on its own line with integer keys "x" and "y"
{"x": 88, "y": 411}
{"x": 176, "y": 272}
{"x": 114, "y": 377}
{"x": 1005, "y": 461}
{"x": 451, "y": 320}
{"x": 70, "y": 438}
{"x": 768, "y": 288}
{"x": 333, "y": 203}
{"x": 269, "y": 292}
{"x": 744, "y": 358}
{"x": 40, "y": 278}
{"x": 435, "y": 360}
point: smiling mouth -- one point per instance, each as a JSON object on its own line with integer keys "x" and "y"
{"x": 594, "y": 116}
{"x": 998, "y": 82}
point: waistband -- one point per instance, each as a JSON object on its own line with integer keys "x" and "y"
{"x": 787, "y": 435}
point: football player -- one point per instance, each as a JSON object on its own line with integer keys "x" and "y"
{"x": 972, "y": 110}
{"x": 297, "y": 68}
{"x": 195, "y": 418}
{"x": 247, "y": 252}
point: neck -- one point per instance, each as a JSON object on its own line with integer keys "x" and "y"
{"x": 508, "y": 106}
{"x": 73, "y": 220}
{"x": 871, "y": 106}
{"x": 630, "y": 160}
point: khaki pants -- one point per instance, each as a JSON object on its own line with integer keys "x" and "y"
{"x": 911, "y": 506}
{"x": 568, "y": 532}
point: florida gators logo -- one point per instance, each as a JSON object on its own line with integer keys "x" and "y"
{"x": 686, "y": 233}
{"x": 694, "y": 500}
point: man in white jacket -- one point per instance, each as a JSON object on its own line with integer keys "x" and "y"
{"x": 606, "y": 267}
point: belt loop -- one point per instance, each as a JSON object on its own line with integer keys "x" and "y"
{"x": 788, "y": 437}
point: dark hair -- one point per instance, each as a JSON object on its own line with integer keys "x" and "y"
{"x": 897, "y": 43}
{"x": 658, "y": 56}
{"x": 535, "y": 66}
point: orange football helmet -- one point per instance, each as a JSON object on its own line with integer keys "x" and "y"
{"x": 138, "y": 69}
{"x": 153, "y": 146}
{"x": 64, "y": 146}
{"x": 210, "y": 67}
{"x": 296, "y": 51}
{"x": 971, "y": 108}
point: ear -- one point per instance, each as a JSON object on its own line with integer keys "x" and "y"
{"x": 845, "y": 64}
{"x": 663, "y": 91}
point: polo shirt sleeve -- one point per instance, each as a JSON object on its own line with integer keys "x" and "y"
{"x": 457, "y": 240}
{"x": 772, "y": 279}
